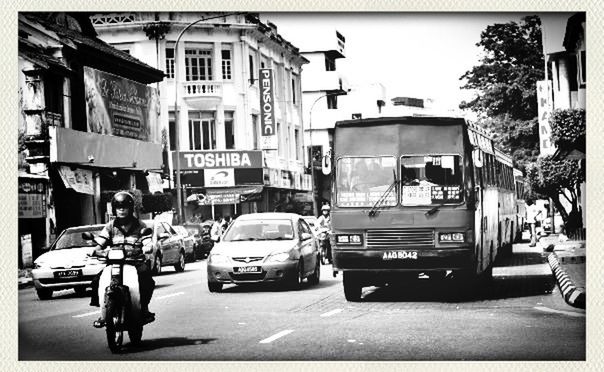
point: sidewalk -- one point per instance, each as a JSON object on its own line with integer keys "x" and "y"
{"x": 24, "y": 279}
{"x": 567, "y": 261}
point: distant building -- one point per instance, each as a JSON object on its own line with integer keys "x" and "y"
{"x": 219, "y": 94}
{"x": 87, "y": 126}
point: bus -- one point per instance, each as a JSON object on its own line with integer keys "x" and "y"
{"x": 417, "y": 195}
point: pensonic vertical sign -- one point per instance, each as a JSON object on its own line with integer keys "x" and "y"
{"x": 267, "y": 110}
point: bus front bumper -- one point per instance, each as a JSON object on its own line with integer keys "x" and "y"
{"x": 419, "y": 260}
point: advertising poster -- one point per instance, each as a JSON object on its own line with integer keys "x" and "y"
{"x": 267, "y": 110}
{"x": 80, "y": 180}
{"x": 121, "y": 107}
{"x": 32, "y": 199}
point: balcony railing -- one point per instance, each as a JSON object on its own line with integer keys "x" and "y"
{"x": 202, "y": 89}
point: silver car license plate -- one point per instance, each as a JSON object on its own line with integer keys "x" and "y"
{"x": 68, "y": 274}
{"x": 247, "y": 269}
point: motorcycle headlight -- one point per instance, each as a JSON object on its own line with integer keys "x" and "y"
{"x": 278, "y": 257}
{"x": 115, "y": 254}
{"x": 218, "y": 259}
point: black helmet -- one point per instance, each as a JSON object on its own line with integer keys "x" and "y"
{"x": 122, "y": 199}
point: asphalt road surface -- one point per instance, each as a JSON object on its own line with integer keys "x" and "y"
{"x": 520, "y": 316}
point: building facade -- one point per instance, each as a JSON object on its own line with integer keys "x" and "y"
{"x": 213, "y": 79}
{"x": 80, "y": 136}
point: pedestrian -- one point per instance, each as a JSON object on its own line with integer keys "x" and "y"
{"x": 216, "y": 231}
{"x": 532, "y": 217}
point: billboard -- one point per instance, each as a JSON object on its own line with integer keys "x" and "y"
{"x": 267, "y": 110}
{"x": 544, "y": 110}
{"x": 121, "y": 107}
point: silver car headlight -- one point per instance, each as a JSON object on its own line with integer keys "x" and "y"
{"x": 218, "y": 259}
{"x": 278, "y": 257}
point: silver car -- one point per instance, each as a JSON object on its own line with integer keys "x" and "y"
{"x": 265, "y": 247}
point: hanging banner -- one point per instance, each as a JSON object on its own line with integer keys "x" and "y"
{"x": 155, "y": 183}
{"x": 121, "y": 107}
{"x": 32, "y": 199}
{"x": 544, "y": 111}
{"x": 80, "y": 180}
{"x": 267, "y": 110}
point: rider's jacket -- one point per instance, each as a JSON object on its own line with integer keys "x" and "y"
{"x": 324, "y": 222}
{"x": 116, "y": 234}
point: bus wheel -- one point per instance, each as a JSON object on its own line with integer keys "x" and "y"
{"x": 353, "y": 287}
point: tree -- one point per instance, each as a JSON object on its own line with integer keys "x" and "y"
{"x": 556, "y": 179}
{"x": 505, "y": 81}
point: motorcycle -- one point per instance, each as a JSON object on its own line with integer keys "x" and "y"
{"x": 119, "y": 294}
{"x": 325, "y": 246}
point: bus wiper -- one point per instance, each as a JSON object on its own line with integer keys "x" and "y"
{"x": 434, "y": 210}
{"x": 374, "y": 210}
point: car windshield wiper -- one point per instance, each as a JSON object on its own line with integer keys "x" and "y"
{"x": 277, "y": 238}
{"x": 243, "y": 239}
{"x": 374, "y": 210}
{"x": 434, "y": 210}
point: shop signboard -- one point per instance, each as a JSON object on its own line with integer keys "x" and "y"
{"x": 121, "y": 107}
{"x": 199, "y": 167}
{"x": 544, "y": 111}
{"x": 267, "y": 110}
{"x": 32, "y": 199}
{"x": 26, "y": 250}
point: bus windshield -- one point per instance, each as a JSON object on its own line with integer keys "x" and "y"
{"x": 431, "y": 179}
{"x": 362, "y": 181}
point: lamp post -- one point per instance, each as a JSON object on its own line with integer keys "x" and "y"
{"x": 176, "y": 114}
{"x": 312, "y": 166}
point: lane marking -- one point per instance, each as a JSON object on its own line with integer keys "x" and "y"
{"x": 276, "y": 336}
{"x": 170, "y": 295}
{"x": 569, "y": 313}
{"x": 330, "y": 313}
{"x": 87, "y": 314}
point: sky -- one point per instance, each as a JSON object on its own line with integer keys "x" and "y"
{"x": 420, "y": 55}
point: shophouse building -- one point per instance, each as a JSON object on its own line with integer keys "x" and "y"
{"x": 214, "y": 82}
{"x": 88, "y": 126}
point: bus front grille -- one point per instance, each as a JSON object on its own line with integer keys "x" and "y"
{"x": 400, "y": 238}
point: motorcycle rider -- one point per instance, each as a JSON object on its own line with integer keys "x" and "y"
{"x": 125, "y": 228}
{"x": 324, "y": 222}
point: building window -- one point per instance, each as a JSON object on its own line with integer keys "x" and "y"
{"x": 170, "y": 63}
{"x": 330, "y": 64}
{"x": 256, "y": 132}
{"x": 198, "y": 64}
{"x": 229, "y": 130}
{"x": 172, "y": 129}
{"x": 226, "y": 65}
{"x": 251, "y": 60}
{"x": 297, "y": 146}
{"x": 294, "y": 91}
{"x": 332, "y": 102}
{"x": 53, "y": 93}
{"x": 582, "y": 71}
{"x": 202, "y": 131}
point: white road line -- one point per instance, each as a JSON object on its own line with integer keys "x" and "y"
{"x": 330, "y": 313}
{"x": 276, "y": 336}
{"x": 569, "y": 313}
{"x": 87, "y": 314}
{"x": 170, "y": 295}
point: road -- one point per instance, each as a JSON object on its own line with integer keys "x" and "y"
{"x": 520, "y": 316}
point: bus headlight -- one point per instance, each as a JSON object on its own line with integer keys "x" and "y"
{"x": 350, "y": 239}
{"x": 452, "y": 237}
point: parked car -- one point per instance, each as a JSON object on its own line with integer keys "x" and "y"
{"x": 188, "y": 240}
{"x": 66, "y": 264}
{"x": 265, "y": 247}
{"x": 201, "y": 232}
{"x": 168, "y": 247}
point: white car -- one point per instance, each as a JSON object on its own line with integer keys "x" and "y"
{"x": 265, "y": 247}
{"x": 313, "y": 223}
{"x": 67, "y": 265}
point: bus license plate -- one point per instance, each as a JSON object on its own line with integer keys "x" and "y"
{"x": 247, "y": 269}
{"x": 399, "y": 255}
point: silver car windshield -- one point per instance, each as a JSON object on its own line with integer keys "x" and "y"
{"x": 259, "y": 230}
{"x": 74, "y": 240}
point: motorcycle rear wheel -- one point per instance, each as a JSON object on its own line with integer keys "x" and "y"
{"x": 114, "y": 319}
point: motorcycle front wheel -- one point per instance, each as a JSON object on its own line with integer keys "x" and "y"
{"x": 114, "y": 320}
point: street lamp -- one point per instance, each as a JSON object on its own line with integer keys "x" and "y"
{"x": 312, "y": 166}
{"x": 176, "y": 114}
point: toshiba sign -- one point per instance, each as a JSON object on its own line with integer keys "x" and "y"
{"x": 192, "y": 160}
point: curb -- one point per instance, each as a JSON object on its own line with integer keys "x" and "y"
{"x": 572, "y": 295}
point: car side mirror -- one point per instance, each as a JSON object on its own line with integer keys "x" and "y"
{"x": 146, "y": 231}
{"x": 305, "y": 236}
{"x": 87, "y": 235}
{"x": 163, "y": 236}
